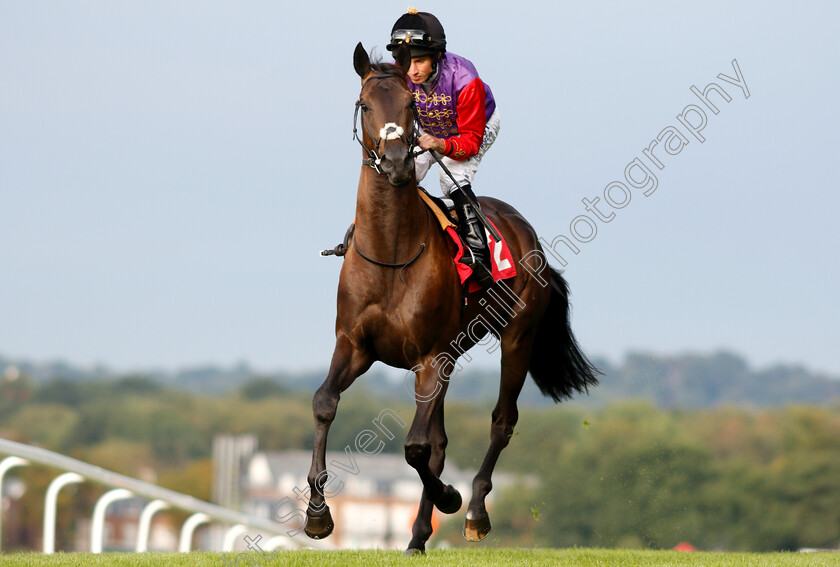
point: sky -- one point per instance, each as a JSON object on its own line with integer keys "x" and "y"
{"x": 169, "y": 171}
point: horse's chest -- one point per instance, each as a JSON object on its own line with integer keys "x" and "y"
{"x": 406, "y": 318}
{"x": 406, "y": 331}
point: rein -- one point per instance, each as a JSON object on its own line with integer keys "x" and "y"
{"x": 373, "y": 160}
{"x": 404, "y": 265}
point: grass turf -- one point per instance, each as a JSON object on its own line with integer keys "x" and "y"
{"x": 454, "y": 557}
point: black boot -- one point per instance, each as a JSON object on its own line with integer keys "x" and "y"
{"x": 472, "y": 233}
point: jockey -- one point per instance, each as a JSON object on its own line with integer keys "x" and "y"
{"x": 458, "y": 116}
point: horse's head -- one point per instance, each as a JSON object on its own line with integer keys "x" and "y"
{"x": 387, "y": 115}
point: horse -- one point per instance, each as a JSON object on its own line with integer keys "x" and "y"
{"x": 400, "y": 301}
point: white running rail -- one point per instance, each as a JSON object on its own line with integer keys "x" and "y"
{"x": 126, "y": 487}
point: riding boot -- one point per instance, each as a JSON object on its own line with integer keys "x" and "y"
{"x": 472, "y": 233}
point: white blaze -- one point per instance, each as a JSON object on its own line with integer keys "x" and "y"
{"x": 391, "y": 131}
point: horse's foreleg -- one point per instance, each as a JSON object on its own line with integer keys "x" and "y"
{"x": 347, "y": 364}
{"x": 421, "y": 531}
{"x": 515, "y": 357}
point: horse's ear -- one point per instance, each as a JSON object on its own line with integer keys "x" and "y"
{"x": 361, "y": 61}
{"x": 402, "y": 55}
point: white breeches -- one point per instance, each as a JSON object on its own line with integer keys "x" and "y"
{"x": 462, "y": 171}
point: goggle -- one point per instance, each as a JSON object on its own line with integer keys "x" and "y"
{"x": 411, "y": 37}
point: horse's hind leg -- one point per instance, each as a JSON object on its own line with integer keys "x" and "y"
{"x": 421, "y": 531}
{"x": 347, "y": 365}
{"x": 516, "y": 353}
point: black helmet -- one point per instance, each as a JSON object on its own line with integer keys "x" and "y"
{"x": 421, "y": 31}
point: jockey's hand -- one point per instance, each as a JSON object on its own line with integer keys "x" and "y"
{"x": 429, "y": 142}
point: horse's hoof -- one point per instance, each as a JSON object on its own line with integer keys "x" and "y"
{"x": 413, "y": 552}
{"x": 319, "y": 527}
{"x": 450, "y": 501}
{"x": 477, "y": 529}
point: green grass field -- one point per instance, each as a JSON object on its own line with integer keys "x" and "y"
{"x": 448, "y": 558}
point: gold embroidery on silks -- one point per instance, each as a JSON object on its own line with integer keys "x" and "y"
{"x": 436, "y": 99}
{"x": 440, "y": 120}
{"x": 440, "y": 99}
{"x": 432, "y": 114}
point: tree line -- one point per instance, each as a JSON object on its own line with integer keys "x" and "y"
{"x": 684, "y": 380}
{"x": 635, "y": 476}
{"x": 625, "y": 474}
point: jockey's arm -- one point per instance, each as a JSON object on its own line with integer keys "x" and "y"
{"x": 471, "y": 123}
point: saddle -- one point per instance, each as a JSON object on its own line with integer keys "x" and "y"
{"x": 443, "y": 209}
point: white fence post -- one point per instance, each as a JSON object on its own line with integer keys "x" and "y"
{"x": 231, "y": 535}
{"x": 50, "y": 505}
{"x": 97, "y": 528}
{"x": 185, "y": 543}
{"x": 5, "y": 465}
{"x": 145, "y": 523}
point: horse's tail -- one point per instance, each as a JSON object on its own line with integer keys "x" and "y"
{"x": 558, "y": 365}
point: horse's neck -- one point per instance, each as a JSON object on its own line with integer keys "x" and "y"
{"x": 391, "y": 219}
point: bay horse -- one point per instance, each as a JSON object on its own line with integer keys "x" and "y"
{"x": 400, "y": 302}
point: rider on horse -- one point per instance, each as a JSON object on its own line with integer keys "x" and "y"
{"x": 458, "y": 115}
{"x": 424, "y": 326}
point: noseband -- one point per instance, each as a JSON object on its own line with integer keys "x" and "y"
{"x": 390, "y": 131}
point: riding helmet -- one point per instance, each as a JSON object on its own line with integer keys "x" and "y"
{"x": 421, "y": 31}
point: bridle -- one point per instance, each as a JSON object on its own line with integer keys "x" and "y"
{"x": 390, "y": 131}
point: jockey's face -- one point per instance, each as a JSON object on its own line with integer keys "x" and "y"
{"x": 421, "y": 68}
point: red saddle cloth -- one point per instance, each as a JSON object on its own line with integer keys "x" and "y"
{"x": 501, "y": 260}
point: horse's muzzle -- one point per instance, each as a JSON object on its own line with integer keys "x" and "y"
{"x": 398, "y": 165}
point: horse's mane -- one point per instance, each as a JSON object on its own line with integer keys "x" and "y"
{"x": 381, "y": 67}
{"x": 388, "y": 69}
